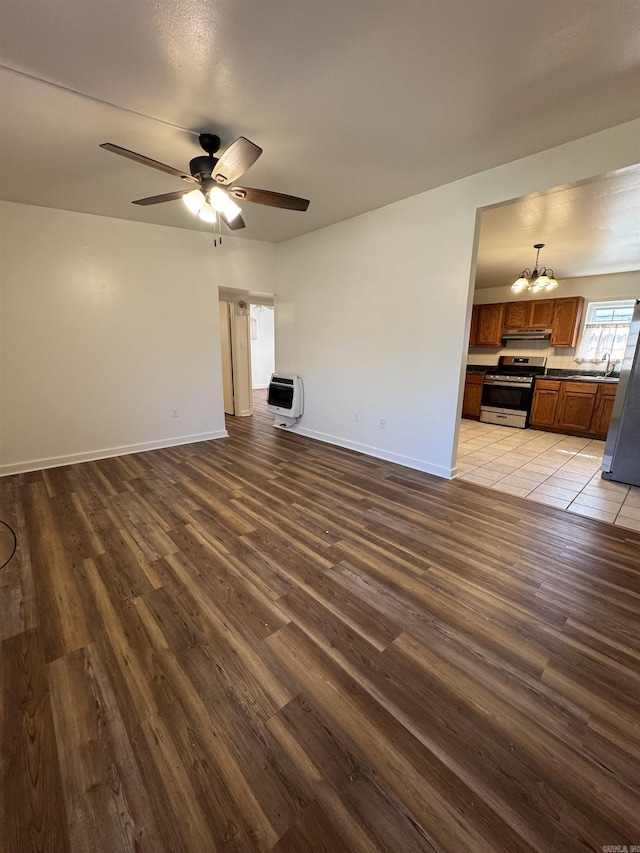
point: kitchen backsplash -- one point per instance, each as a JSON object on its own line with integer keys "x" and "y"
{"x": 561, "y": 357}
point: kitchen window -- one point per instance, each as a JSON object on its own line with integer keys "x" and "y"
{"x": 605, "y": 331}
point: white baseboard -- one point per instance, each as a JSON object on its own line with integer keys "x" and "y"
{"x": 378, "y": 453}
{"x": 91, "y": 455}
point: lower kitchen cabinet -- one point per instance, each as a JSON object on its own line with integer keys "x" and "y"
{"x": 577, "y": 402}
{"x": 575, "y": 408}
{"x": 472, "y": 399}
{"x": 544, "y": 408}
{"x": 604, "y": 408}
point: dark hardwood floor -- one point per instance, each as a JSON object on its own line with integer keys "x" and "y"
{"x": 268, "y": 643}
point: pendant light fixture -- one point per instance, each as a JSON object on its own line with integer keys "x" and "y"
{"x": 536, "y": 279}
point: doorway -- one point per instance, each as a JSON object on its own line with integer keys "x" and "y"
{"x": 263, "y": 356}
{"x": 247, "y": 342}
{"x": 236, "y": 357}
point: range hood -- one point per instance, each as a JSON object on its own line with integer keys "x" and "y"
{"x": 526, "y": 334}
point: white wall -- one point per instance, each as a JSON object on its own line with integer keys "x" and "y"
{"x": 374, "y": 312}
{"x": 105, "y": 327}
{"x": 262, "y": 346}
{"x": 595, "y": 288}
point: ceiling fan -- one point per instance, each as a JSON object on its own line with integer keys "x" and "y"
{"x": 211, "y": 196}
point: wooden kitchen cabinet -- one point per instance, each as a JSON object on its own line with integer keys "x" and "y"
{"x": 573, "y": 407}
{"x": 542, "y": 313}
{"x": 535, "y": 314}
{"x": 566, "y": 321}
{"x": 544, "y": 408}
{"x": 577, "y": 403}
{"x": 472, "y": 399}
{"x": 473, "y": 333}
{"x": 562, "y": 316}
{"x": 490, "y": 322}
{"x": 516, "y": 315}
{"x": 604, "y": 407}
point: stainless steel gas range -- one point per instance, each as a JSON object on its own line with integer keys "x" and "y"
{"x": 507, "y": 391}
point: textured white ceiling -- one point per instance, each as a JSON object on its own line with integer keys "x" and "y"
{"x": 356, "y": 104}
{"x": 590, "y": 228}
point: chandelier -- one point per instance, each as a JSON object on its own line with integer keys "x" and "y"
{"x": 536, "y": 279}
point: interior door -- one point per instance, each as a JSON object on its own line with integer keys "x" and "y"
{"x": 227, "y": 357}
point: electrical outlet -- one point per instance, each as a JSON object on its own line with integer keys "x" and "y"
{"x": 356, "y": 417}
{"x": 174, "y": 411}
{"x": 383, "y": 423}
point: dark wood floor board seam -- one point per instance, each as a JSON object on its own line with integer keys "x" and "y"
{"x": 18, "y": 604}
{"x": 479, "y": 652}
{"x": 137, "y": 674}
{"x": 62, "y": 619}
{"x": 609, "y": 561}
{"x": 497, "y": 546}
{"x": 348, "y": 781}
{"x": 617, "y": 800}
{"x": 613, "y": 580}
{"x": 100, "y": 775}
{"x": 564, "y": 646}
{"x": 401, "y": 761}
{"x": 288, "y": 525}
{"x": 427, "y": 627}
{"x": 498, "y": 600}
{"x": 497, "y": 630}
{"x": 205, "y": 731}
{"x": 287, "y": 550}
{"x": 362, "y": 669}
{"x": 234, "y": 634}
{"x": 606, "y": 640}
{"x": 32, "y": 809}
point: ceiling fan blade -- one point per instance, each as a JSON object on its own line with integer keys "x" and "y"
{"x": 235, "y": 161}
{"x": 287, "y": 202}
{"x": 146, "y": 161}
{"x": 235, "y": 223}
{"x": 158, "y": 199}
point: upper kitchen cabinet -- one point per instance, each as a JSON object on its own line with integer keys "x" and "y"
{"x": 488, "y": 324}
{"x": 542, "y": 313}
{"x": 535, "y": 314}
{"x": 473, "y": 332}
{"x": 566, "y": 321}
{"x": 562, "y": 316}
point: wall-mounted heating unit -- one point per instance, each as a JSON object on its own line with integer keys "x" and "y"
{"x": 285, "y": 398}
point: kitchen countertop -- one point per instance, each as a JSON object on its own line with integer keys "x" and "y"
{"x": 577, "y": 377}
{"x": 556, "y": 373}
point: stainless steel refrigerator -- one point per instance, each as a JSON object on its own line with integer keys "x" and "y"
{"x": 621, "y": 461}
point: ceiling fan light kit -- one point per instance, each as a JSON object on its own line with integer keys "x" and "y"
{"x": 209, "y": 201}
{"x": 535, "y": 280}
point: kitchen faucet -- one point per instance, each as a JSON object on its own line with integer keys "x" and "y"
{"x": 607, "y": 369}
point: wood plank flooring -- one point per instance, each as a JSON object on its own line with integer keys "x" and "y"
{"x": 267, "y": 643}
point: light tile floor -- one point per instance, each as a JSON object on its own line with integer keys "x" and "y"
{"x": 559, "y": 470}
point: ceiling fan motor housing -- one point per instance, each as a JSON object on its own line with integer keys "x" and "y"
{"x": 201, "y": 167}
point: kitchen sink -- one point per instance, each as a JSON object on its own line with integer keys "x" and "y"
{"x": 610, "y": 379}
